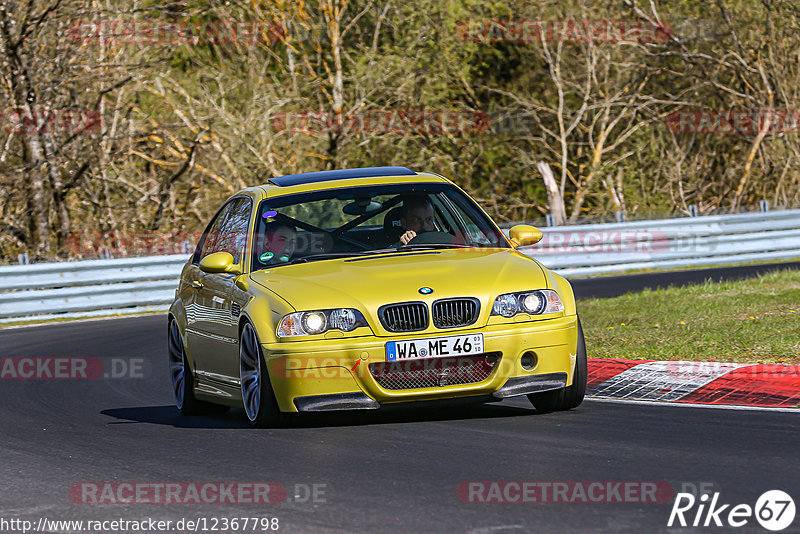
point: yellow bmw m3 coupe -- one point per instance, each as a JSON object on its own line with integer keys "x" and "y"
{"x": 359, "y": 288}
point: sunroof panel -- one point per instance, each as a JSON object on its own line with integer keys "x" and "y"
{"x": 339, "y": 174}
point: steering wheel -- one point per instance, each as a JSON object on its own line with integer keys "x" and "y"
{"x": 432, "y": 238}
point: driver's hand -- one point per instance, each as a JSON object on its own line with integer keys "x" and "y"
{"x": 408, "y": 236}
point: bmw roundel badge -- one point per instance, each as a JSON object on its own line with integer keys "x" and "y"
{"x": 425, "y": 290}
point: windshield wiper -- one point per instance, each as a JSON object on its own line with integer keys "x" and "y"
{"x": 432, "y": 246}
{"x": 324, "y": 256}
{"x": 402, "y": 248}
{"x": 332, "y": 255}
{"x": 377, "y": 251}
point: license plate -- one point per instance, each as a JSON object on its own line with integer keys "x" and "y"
{"x": 434, "y": 347}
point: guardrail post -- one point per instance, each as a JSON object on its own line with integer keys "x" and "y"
{"x": 549, "y": 219}
{"x": 620, "y": 216}
{"x": 764, "y": 204}
{"x": 23, "y": 258}
{"x": 692, "y": 210}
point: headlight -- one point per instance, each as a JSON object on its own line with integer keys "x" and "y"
{"x": 537, "y": 302}
{"x": 344, "y": 319}
{"x": 314, "y": 322}
{"x": 505, "y": 305}
{"x": 319, "y": 321}
{"x": 533, "y": 302}
{"x": 554, "y": 303}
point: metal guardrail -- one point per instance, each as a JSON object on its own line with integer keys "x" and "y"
{"x": 689, "y": 241}
{"x": 130, "y": 285}
{"x": 86, "y": 288}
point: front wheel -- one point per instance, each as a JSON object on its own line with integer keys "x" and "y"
{"x": 571, "y": 396}
{"x": 257, "y": 395}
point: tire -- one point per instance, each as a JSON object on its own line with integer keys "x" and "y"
{"x": 182, "y": 378}
{"x": 258, "y": 398}
{"x": 571, "y": 396}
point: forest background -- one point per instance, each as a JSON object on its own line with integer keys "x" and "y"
{"x": 138, "y": 118}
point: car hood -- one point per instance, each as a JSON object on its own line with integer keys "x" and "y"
{"x": 367, "y": 283}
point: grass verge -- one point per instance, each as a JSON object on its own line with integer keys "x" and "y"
{"x": 690, "y": 267}
{"x": 756, "y": 320}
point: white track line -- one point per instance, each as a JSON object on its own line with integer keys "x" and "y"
{"x": 83, "y": 320}
{"x": 690, "y": 405}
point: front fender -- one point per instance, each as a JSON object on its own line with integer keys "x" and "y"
{"x": 564, "y": 290}
{"x": 264, "y": 311}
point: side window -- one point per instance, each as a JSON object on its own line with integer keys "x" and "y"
{"x": 232, "y": 235}
{"x": 473, "y": 233}
{"x": 206, "y": 245}
{"x": 443, "y": 219}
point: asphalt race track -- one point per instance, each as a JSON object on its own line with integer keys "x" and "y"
{"x": 615, "y": 285}
{"x": 394, "y": 471}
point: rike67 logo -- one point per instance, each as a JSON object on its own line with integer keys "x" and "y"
{"x": 774, "y": 510}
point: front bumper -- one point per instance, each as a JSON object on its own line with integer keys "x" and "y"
{"x": 525, "y": 385}
{"x": 334, "y": 374}
{"x": 335, "y": 401}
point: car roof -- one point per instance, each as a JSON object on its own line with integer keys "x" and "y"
{"x": 339, "y": 174}
{"x": 319, "y": 181}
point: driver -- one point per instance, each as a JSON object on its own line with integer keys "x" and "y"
{"x": 417, "y": 218}
{"x": 278, "y": 243}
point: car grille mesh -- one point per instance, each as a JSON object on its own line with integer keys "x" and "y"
{"x": 453, "y": 313}
{"x": 434, "y": 372}
{"x": 404, "y": 317}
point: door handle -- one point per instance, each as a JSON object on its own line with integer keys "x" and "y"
{"x": 197, "y": 284}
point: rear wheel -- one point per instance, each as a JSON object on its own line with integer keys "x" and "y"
{"x": 182, "y": 380}
{"x": 571, "y": 396}
{"x": 257, "y": 395}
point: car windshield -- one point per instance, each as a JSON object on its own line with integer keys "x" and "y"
{"x": 354, "y": 221}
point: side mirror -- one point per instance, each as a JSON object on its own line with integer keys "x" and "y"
{"x": 219, "y": 262}
{"x": 523, "y": 235}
